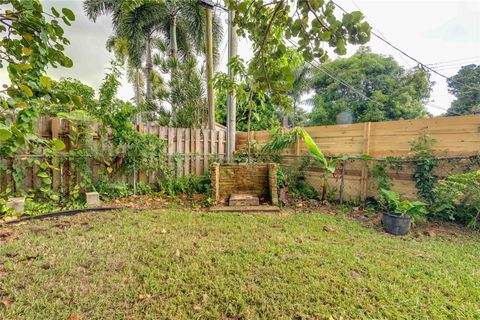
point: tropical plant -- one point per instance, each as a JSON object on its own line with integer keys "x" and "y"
{"x": 457, "y": 198}
{"x": 392, "y": 202}
{"x": 301, "y": 85}
{"x": 328, "y": 165}
{"x": 31, "y": 40}
{"x": 274, "y": 26}
{"x": 140, "y": 24}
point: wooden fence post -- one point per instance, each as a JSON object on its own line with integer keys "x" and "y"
{"x": 186, "y": 152}
{"x": 198, "y": 150}
{"x": 366, "y": 150}
{"x": 55, "y": 125}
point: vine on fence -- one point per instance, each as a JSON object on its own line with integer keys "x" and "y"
{"x": 423, "y": 155}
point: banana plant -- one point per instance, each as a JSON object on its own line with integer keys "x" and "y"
{"x": 328, "y": 165}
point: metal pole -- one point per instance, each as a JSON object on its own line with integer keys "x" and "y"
{"x": 342, "y": 182}
{"x": 231, "y": 99}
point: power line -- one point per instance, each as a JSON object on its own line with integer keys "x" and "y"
{"x": 380, "y": 32}
{"x": 333, "y": 76}
{"x": 455, "y": 60}
{"x": 409, "y": 56}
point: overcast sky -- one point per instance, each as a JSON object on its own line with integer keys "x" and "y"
{"x": 432, "y": 31}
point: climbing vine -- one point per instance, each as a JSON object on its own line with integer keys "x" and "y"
{"x": 423, "y": 157}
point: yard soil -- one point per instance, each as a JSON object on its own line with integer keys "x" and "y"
{"x": 194, "y": 203}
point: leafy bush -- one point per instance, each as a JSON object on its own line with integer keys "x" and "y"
{"x": 143, "y": 188}
{"x": 113, "y": 190}
{"x": 392, "y": 202}
{"x": 190, "y": 184}
{"x": 457, "y": 198}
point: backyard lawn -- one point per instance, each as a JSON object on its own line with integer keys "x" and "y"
{"x": 169, "y": 263}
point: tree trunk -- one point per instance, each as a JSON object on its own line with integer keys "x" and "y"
{"x": 173, "y": 36}
{"x": 138, "y": 97}
{"x": 148, "y": 69}
{"x": 209, "y": 45}
{"x": 173, "y": 55}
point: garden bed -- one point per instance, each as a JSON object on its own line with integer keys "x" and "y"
{"x": 173, "y": 263}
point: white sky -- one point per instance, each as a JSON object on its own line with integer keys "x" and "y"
{"x": 430, "y": 30}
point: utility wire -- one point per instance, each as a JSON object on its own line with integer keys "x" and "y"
{"x": 410, "y": 57}
{"x": 452, "y": 61}
{"x": 380, "y": 32}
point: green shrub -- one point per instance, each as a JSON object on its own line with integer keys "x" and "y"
{"x": 392, "y": 202}
{"x": 457, "y": 198}
{"x": 113, "y": 190}
{"x": 190, "y": 184}
{"x": 143, "y": 188}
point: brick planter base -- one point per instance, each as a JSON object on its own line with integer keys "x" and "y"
{"x": 258, "y": 179}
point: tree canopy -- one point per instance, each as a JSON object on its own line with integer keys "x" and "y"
{"x": 465, "y": 86}
{"x": 392, "y": 92}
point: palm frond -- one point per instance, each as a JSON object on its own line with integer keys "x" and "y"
{"x": 95, "y": 8}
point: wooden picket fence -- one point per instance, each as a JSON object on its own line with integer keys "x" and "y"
{"x": 455, "y": 137}
{"x": 188, "y": 151}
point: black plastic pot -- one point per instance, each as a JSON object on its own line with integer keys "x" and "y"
{"x": 395, "y": 224}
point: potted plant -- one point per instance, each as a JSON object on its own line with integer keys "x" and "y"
{"x": 399, "y": 213}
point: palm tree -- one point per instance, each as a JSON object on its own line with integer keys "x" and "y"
{"x": 180, "y": 23}
{"x": 301, "y": 85}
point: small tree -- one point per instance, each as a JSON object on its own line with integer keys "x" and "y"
{"x": 32, "y": 40}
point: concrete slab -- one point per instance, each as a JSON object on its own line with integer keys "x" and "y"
{"x": 221, "y": 208}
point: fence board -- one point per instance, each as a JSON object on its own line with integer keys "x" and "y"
{"x": 455, "y": 136}
{"x": 206, "y": 137}
{"x": 192, "y": 147}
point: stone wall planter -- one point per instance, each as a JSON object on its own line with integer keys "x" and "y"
{"x": 258, "y": 179}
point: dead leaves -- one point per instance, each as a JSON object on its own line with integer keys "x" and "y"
{"x": 6, "y": 303}
{"x": 431, "y": 233}
{"x": 328, "y": 229}
{"x": 199, "y": 306}
{"x": 5, "y": 232}
{"x": 142, "y": 297}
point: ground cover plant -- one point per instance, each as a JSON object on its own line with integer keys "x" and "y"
{"x": 169, "y": 263}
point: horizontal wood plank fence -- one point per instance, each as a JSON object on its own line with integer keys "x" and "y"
{"x": 455, "y": 136}
{"x": 188, "y": 151}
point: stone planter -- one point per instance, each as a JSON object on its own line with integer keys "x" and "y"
{"x": 259, "y": 179}
{"x": 17, "y": 204}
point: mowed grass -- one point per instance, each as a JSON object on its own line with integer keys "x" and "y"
{"x": 173, "y": 264}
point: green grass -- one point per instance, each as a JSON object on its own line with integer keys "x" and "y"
{"x": 122, "y": 265}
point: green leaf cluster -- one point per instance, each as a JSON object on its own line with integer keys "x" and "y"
{"x": 392, "y": 92}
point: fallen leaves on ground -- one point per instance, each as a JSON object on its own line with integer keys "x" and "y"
{"x": 6, "y": 302}
{"x": 5, "y": 232}
{"x": 328, "y": 228}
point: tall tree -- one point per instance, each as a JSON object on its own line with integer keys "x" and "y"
{"x": 392, "y": 92}
{"x": 301, "y": 85}
{"x": 465, "y": 86}
{"x": 141, "y": 23}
